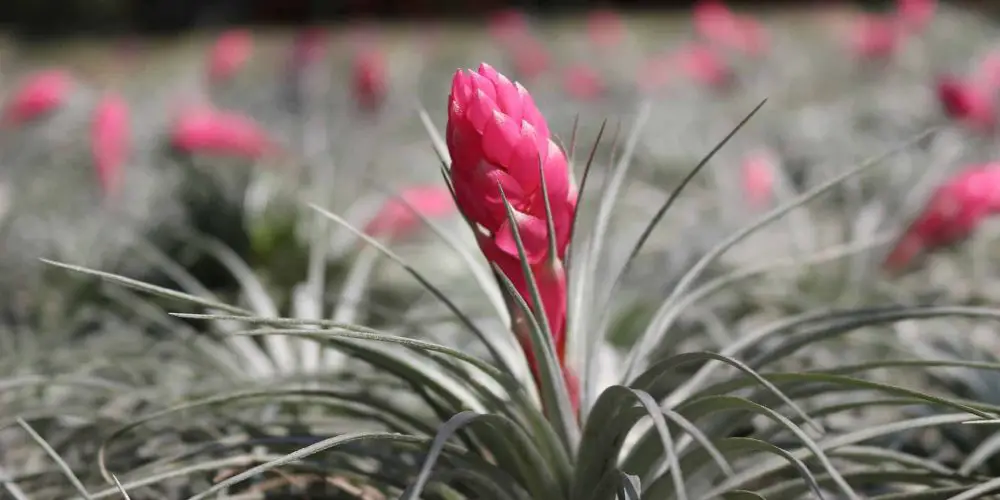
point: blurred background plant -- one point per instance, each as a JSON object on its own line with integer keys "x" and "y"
{"x": 241, "y": 174}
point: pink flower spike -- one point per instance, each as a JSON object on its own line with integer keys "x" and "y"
{"x": 110, "y": 141}
{"x": 916, "y": 14}
{"x": 400, "y": 216}
{"x": 497, "y": 137}
{"x": 37, "y": 95}
{"x": 718, "y": 25}
{"x": 605, "y": 28}
{"x": 229, "y": 55}
{"x": 873, "y": 37}
{"x": 712, "y": 17}
{"x": 203, "y": 130}
{"x": 955, "y": 211}
{"x": 508, "y": 26}
{"x": 530, "y": 58}
{"x": 583, "y": 83}
{"x": 369, "y": 78}
{"x": 759, "y": 172}
{"x": 968, "y": 104}
{"x": 754, "y": 39}
{"x": 703, "y": 65}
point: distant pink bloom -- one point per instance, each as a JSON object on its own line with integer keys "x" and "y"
{"x": 208, "y": 131}
{"x": 37, "y": 95}
{"x": 655, "y": 73}
{"x": 110, "y": 140}
{"x": 370, "y": 77}
{"x": 605, "y": 28}
{"x": 759, "y": 172}
{"x": 953, "y": 213}
{"x": 719, "y": 25}
{"x": 968, "y": 103}
{"x": 530, "y": 57}
{"x": 228, "y": 55}
{"x": 400, "y": 215}
{"x": 874, "y": 37}
{"x": 508, "y": 26}
{"x": 583, "y": 82}
{"x": 916, "y": 14}
{"x": 703, "y": 65}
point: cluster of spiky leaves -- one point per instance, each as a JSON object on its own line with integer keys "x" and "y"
{"x": 764, "y": 360}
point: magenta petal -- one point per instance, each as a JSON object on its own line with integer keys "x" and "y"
{"x": 556, "y": 174}
{"x": 481, "y": 83}
{"x": 534, "y": 236}
{"x": 480, "y": 110}
{"x": 459, "y": 86}
{"x": 511, "y": 188}
{"x": 524, "y": 164}
{"x": 531, "y": 114}
{"x": 499, "y": 137}
{"x": 508, "y": 99}
{"x": 488, "y": 72}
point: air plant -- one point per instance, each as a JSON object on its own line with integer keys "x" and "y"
{"x": 561, "y": 415}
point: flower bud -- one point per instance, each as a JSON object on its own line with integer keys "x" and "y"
{"x": 110, "y": 141}
{"x": 38, "y": 95}
{"x": 954, "y": 211}
{"x": 229, "y": 55}
{"x": 203, "y": 130}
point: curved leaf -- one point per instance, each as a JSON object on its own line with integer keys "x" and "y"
{"x": 518, "y": 452}
{"x": 668, "y": 312}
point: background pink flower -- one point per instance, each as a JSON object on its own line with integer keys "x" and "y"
{"x": 954, "y": 211}
{"x": 400, "y": 215}
{"x": 37, "y": 95}
{"x": 110, "y": 141}
{"x": 229, "y": 54}
{"x": 369, "y": 78}
{"x": 204, "y": 130}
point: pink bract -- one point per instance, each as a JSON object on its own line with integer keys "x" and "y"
{"x": 916, "y": 14}
{"x": 954, "y": 211}
{"x": 704, "y": 65}
{"x": 400, "y": 215}
{"x": 369, "y": 78}
{"x": 498, "y": 139}
{"x": 874, "y": 37}
{"x": 759, "y": 172}
{"x": 37, "y": 95}
{"x": 583, "y": 82}
{"x": 971, "y": 105}
{"x": 204, "y": 130}
{"x": 719, "y": 25}
{"x": 229, "y": 54}
{"x": 110, "y": 141}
